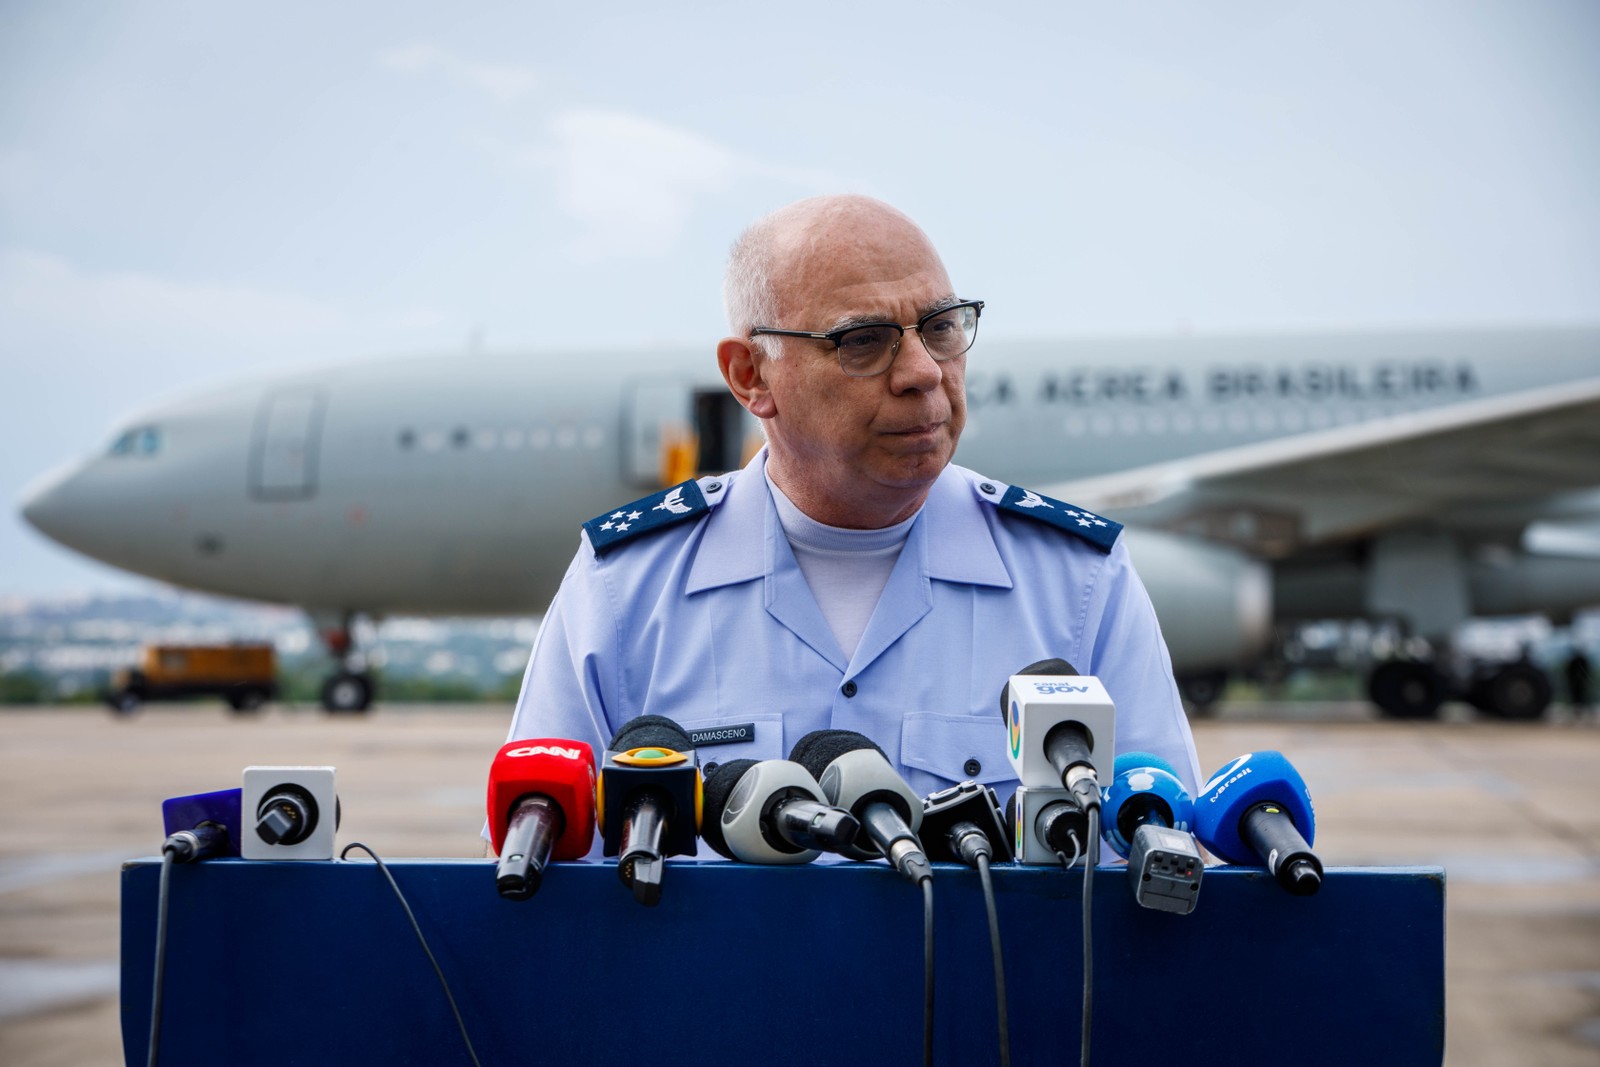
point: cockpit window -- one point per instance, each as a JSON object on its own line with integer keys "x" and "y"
{"x": 139, "y": 441}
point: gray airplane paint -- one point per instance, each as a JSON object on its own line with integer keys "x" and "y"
{"x": 455, "y": 484}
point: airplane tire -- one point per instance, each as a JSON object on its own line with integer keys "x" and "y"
{"x": 1518, "y": 691}
{"x": 1406, "y": 689}
{"x": 347, "y": 693}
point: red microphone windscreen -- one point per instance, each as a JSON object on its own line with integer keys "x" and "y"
{"x": 559, "y": 769}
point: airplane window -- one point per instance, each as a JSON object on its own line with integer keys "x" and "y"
{"x": 566, "y": 437}
{"x": 408, "y": 439}
{"x": 142, "y": 440}
{"x": 433, "y": 440}
{"x": 486, "y": 439}
{"x": 593, "y": 436}
{"x": 539, "y": 438}
{"x": 512, "y": 439}
{"x": 1183, "y": 422}
{"x": 460, "y": 437}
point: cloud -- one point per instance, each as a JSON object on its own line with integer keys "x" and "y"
{"x": 38, "y": 287}
{"x": 55, "y": 313}
{"x": 632, "y": 183}
{"x": 505, "y": 83}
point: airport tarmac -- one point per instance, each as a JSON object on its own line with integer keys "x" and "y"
{"x": 1512, "y": 812}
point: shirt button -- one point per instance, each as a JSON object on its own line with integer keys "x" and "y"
{"x": 971, "y": 768}
{"x": 987, "y": 488}
{"x": 714, "y": 487}
{"x": 848, "y": 689}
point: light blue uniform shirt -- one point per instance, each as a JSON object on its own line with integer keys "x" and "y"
{"x": 709, "y": 621}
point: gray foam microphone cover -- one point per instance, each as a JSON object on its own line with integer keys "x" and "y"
{"x": 741, "y": 815}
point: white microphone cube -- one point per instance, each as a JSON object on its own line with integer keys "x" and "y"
{"x": 1029, "y": 846}
{"x": 1035, "y": 703}
{"x": 308, "y": 811}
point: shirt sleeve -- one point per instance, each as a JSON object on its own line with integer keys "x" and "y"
{"x": 563, "y": 688}
{"x": 1129, "y": 656}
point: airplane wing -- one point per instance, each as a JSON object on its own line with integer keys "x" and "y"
{"x": 1489, "y": 458}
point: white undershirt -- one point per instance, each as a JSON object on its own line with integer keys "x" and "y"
{"x": 846, "y": 569}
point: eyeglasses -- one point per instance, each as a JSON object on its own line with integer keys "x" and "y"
{"x": 870, "y": 348}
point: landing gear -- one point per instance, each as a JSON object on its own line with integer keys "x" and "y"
{"x": 1407, "y": 689}
{"x": 350, "y": 689}
{"x": 1518, "y": 691}
{"x": 345, "y": 693}
{"x": 1414, "y": 689}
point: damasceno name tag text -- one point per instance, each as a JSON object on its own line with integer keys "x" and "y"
{"x": 723, "y": 735}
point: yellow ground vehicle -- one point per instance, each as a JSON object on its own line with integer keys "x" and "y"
{"x": 244, "y": 675}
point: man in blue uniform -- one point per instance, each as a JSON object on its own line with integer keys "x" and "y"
{"x": 849, "y": 577}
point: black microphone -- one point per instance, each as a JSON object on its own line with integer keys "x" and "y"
{"x": 649, "y": 801}
{"x": 963, "y": 822}
{"x": 855, "y": 774}
{"x": 771, "y": 812}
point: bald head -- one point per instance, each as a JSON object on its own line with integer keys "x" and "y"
{"x": 777, "y": 255}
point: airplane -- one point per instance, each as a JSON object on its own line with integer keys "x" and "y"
{"x": 1419, "y": 477}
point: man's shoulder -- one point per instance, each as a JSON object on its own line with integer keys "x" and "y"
{"x": 675, "y": 506}
{"x": 1059, "y": 515}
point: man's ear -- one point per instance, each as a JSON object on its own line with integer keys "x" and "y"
{"x": 744, "y": 369}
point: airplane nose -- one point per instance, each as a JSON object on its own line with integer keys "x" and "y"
{"x": 47, "y": 507}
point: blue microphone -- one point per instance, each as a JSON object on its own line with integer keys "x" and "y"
{"x": 1144, "y": 789}
{"x": 1148, "y": 815}
{"x": 201, "y": 825}
{"x": 1257, "y": 810}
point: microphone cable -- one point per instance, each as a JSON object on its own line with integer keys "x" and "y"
{"x": 344, "y": 854}
{"x": 927, "y": 972}
{"x": 158, "y": 983}
{"x": 1091, "y": 860}
{"x": 972, "y": 847}
{"x": 1002, "y": 1021}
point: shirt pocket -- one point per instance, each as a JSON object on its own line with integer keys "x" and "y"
{"x": 731, "y": 737}
{"x": 956, "y": 748}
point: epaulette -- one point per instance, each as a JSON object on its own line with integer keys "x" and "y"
{"x": 1095, "y": 529}
{"x": 686, "y": 500}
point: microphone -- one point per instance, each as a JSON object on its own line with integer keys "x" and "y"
{"x": 771, "y": 812}
{"x": 201, "y": 825}
{"x": 1044, "y": 822}
{"x": 649, "y": 801}
{"x": 963, "y": 822}
{"x": 1061, "y": 728}
{"x": 856, "y": 775}
{"x": 1257, "y": 809}
{"x": 1148, "y": 813}
{"x": 541, "y": 807}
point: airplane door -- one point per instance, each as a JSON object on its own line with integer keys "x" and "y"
{"x": 283, "y": 451}
{"x": 677, "y": 431}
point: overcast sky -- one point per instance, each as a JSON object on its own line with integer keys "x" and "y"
{"x": 194, "y": 191}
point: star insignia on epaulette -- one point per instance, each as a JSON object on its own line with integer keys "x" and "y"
{"x": 654, "y": 512}
{"x": 1100, "y": 532}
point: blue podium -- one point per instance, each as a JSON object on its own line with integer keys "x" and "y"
{"x": 278, "y": 963}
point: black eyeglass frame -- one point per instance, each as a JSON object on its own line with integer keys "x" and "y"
{"x": 833, "y": 336}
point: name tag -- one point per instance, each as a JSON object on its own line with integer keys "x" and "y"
{"x": 723, "y": 735}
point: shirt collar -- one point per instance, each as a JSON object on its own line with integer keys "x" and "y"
{"x": 959, "y": 541}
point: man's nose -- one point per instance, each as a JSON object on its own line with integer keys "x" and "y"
{"x": 914, "y": 369}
